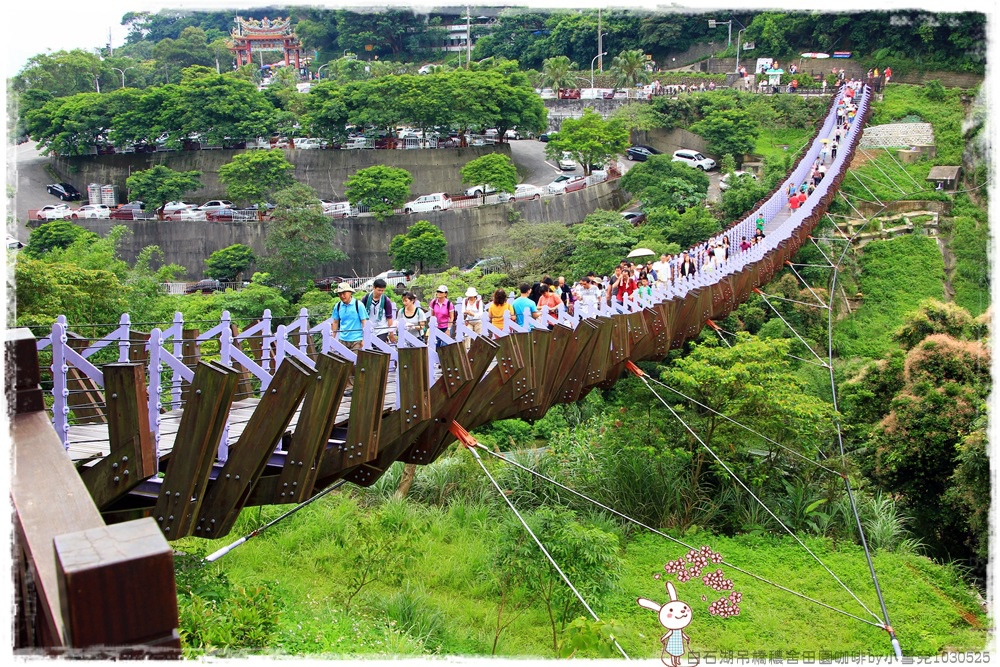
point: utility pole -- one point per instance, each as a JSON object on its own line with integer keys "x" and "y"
{"x": 468, "y": 36}
{"x": 600, "y": 45}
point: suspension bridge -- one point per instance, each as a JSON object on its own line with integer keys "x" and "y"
{"x": 155, "y": 444}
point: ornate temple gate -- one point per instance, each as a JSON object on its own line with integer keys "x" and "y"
{"x": 252, "y": 35}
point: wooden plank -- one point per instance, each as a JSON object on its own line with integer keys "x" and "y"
{"x": 550, "y": 348}
{"x": 313, "y": 430}
{"x": 597, "y": 367}
{"x": 573, "y": 372}
{"x": 248, "y": 457}
{"x": 22, "y": 389}
{"x": 190, "y": 356}
{"x": 427, "y": 446}
{"x": 364, "y": 425}
{"x": 117, "y": 589}
{"x": 133, "y": 448}
{"x": 138, "y": 351}
{"x": 619, "y": 339}
{"x": 186, "y": 477}
{"x": 244, "y": 387}
{"x": 455, "y": 367}
{"x": 509, "y": 359}
{"x": 413, "y": 386}
{"x": 49, "y": 499}
{"x": 85, "y": 397}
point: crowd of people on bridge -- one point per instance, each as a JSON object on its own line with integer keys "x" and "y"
{"x": 629, "y": 280}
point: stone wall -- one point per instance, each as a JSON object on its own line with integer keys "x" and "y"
{"x": 326, "y": 171}
{"x": 669, "y": 141}
{"x": 364, "y": 240}
{"x": 870, "y": 209}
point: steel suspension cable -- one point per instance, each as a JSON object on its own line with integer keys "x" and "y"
{"x": 778, "y": 313}
{"x": 736, "y": 568}
{"x": 754, "y": 496}
{"x": 541, "y": 546}
{"x": 745, "y": 427}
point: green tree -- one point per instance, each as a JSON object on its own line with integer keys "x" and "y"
{"x": 190, "y": 48}
{"x": 300, "y": 239}
{"x": 588, "y": 556}
{"x": 423, "y": 243}
{"x": 603, "y": 239}
{"x": 731, "y": 131}
{"x": 557, "y": 73}
{"x": 158, "y": 185}
{"x": 590, "y": 139}
{"x": 496, "y": 170}
{"x": 685, "y": 229}
{"x": 228, "y": 263}
{"x": 54, "y": 234}
{"x": 380, "y": 188}
{"x": 254, "y": 175}
{"x": 629, "y": 69}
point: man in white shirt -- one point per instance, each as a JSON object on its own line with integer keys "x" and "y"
{"x": 662, "y": 269}
{"x": 380, "y": 311}
{"x": 589, "y": 296}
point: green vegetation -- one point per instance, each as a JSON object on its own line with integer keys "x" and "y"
{"x": 895, "y": 276}
{"x": 496, "y": 170}
{"x": 422, "y": 244}
{"x": 380, "y": 188}
{"x": 590, "y": 140}
{"x": 160, "y": 184}
{"x": 254, "y": 176}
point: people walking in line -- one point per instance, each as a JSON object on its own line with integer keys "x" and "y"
{"x": 498, "y": 307}
{"x": 524, "y": 303}
{"x": 442, "y": 311}
{"x": 413, "y": 316}
{"x": 379, "y": 307}
{"x": 472, "y": 313}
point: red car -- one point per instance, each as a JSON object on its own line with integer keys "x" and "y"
{"x": 569, "y": 93}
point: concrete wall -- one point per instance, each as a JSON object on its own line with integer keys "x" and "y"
{"x": 669, "y": 141}
{"x": 326, "y": 171}
{"x": 364, "y": 240}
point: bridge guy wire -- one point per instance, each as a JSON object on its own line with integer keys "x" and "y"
{"x": 670, "y": 538}
{"x": 745, "y": 427}
{"x": 754, "y": 496}
{"x": 541, "y": 546}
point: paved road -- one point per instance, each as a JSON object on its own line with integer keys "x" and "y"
{"x": 31, "y": 178}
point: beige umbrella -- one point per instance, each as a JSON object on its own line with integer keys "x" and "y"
{"x": 641, "y": 252}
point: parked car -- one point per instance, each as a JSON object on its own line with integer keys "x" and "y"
{"x": 526, "y": 191}
{"x": 306, "y": 143}
{"x": 635, "y": 217}
{"x": 640, "y": 153}
{"x": 101, "y": 211}
{"x": 437, "y": 201}
{"x": 133, "y": 205}
{"x": 54, "y": 212}
{"x": 546, "y": 136}
{"x": 213, "y": 205}
{"x": 489, "y": 264}
{"x": 234, "y": 215}
{"x": 337, "y": 209}
{"x": 694, "y": 159}
{"x": 566, "y": 162}
{"x": 13, "y": 243}
{"x": 204, "y": 286}
{"x": 185, "y": 214}
{"x": 565, "y": 183}
{"x": 724, "y": 182}
{"x": 479, "y": 190}
{"x": 512, "y": 134}
{"x": 569, "y": 93}
{"x": 172, "y": 206}
{"x": 328, "y": 282}
{"x": 64, "y": 191}
{"x": 393, "y": 279}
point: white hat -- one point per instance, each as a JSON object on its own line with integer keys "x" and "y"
{"x": 442, "y": 288}
{"x": 471, "y": 292}
{"x": 344, "y": 287}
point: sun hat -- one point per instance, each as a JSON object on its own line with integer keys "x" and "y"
{"x": 471, "y": 292}
{"x": 442, "y": 288}
{"x": 344, "y": 287}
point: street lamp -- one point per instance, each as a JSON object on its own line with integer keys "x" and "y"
{"x": 97, "y": 82}
{"x": 122, "y": 72}
{"x": 600, "y": 48}
{"x": 592, "y": 67}
{"x": 738, "y": 42}
{"x": 320, "y": 70}
{"x": 713, "y": 23}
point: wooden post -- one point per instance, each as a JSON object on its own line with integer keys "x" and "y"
{"x": 133, "y": 449}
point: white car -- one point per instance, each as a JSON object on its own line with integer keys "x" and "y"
{"x": 306, "y": 143}
{"x": 336, "y": 209}
{"x": 185, "y": 214}
{"x": 437, "y": 201}
{"x": 694, "y": 159}
{"x": 566, "y": 162}
{"x": 393, "y": 280}
{"x": 526, "y": 191}
{"x": 724, "y": 182}
{"x": 213, "y": 205}
{"x": 54, "y": 212}
{"x": 479, "y": 190}
{"x": 101, "y": 211}
{"x": 13, "y": 243}
{"x": 172, "y": 206}
{"x": 564, "y": 183}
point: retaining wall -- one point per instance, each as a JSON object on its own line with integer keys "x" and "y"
{"x": 364, "y": 240}
{"x": 326, "y": 171}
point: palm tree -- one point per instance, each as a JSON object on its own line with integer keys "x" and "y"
{"x": 555, "y": 73}
{"x": 629, "y": 68}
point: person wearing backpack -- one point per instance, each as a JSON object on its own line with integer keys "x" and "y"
{"x": 413, "y": 316}
{"x": 379, "y": 307}
{"x": 442, "y": 311}
{"x": 348, "y": 324}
